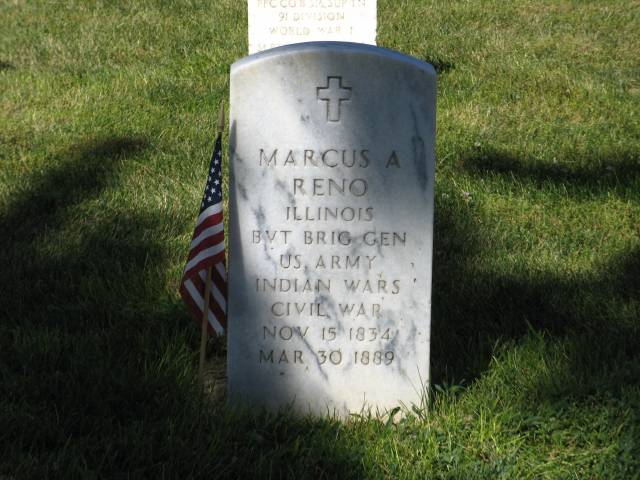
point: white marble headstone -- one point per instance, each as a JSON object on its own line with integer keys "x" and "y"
{"x": 331, "y": 215}
{"x": 273, "y": 23}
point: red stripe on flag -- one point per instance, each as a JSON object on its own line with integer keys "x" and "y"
{"x": 207, "y": 242}
{"x": 211, "y": 221}
{"x": 220, "y": 281}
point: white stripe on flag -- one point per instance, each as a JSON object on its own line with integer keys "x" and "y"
{"x": 218, "y": 297}
{"x": 197, "y": 297}
{"x": 212, "y": 210}
{"x": 214, "y": 291}
{"x": 207, "y": 232}
{"x": 207, "y": 252}
{"x": 221, "y": 270}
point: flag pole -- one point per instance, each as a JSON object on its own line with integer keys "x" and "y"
{"x": 204, "y": 332}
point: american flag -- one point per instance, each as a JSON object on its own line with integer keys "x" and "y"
{"x": 207, "y": 250}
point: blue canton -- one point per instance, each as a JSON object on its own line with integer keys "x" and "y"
{"x": 213, "y": 189}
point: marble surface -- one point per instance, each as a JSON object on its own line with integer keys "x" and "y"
{"x": 331, "y": 218}
{"x": 273, "y": 23}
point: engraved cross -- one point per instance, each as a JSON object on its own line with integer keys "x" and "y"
{"x": 334, "y": 94}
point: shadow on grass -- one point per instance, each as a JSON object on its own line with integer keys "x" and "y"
{"x": 32, "y": 268}
{"x": 97, "y": 366}
{"x": 279, "y": 446}
{"x": 617, "y": 172}
{"x": 441, "y": 65}
{"x": 6, "y": 66}
{"x": 474, "y": 311}
{"x": 82, "y": 174}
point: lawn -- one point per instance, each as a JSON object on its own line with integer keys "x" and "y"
{"x": 107, "y": 117}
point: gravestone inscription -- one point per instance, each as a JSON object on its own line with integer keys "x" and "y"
{"x": 331, "y": 214}
{"x": 273, "y": 23}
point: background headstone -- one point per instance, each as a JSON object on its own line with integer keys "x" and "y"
{"x": 331, "y": 214}
{"x": 273, "y": 23}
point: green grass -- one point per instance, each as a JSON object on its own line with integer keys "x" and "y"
{"x": 106, "y": 117}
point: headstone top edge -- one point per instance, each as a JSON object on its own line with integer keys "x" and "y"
{"x": 338, "y": 47}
